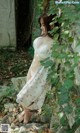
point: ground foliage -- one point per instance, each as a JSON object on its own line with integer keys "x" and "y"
{"x": 13, "y": 64}
{"x": 64, "y": 98}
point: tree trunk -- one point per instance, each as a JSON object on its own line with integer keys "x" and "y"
{"x": 24, "y": 18}
{"x": 46, "y": 6}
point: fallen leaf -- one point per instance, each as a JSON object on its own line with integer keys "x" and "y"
{"x": 1, "y": 116}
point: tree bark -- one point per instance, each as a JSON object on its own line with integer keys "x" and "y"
{"x": 45, "y": 6}
{"x": 24, "y": 18}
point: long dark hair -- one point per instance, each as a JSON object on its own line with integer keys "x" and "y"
{"x": 47, "y": 20}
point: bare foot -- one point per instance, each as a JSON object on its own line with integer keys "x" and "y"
{"x": 27, "y": 116}
{"x": 21, "y": 116}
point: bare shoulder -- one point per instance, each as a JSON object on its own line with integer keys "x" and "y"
{"x": 37, "y": 40}
{"x": 49, "y": 38}
{"x": 42, "y": 40}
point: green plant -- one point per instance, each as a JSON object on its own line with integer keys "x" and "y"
{"x": 63, "y": 64}
{"x": 6, "y": 95}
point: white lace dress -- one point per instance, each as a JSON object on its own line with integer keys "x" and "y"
{"x": 33, "y": 93}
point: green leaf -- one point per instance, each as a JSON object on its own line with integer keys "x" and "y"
{"x": 63, "y": 55}
{"x": 64, "y": 121}
{"x": 68, "y": 109}
{"x": 71, "y": 39}
{"x": 63, "y": 98}
{"x": 47, "y": 63}
{"x": 77, "y": 101}
{"x": 68, "y": 84}
{"x": 77, "y": 112}
{"x": 49, "y": 95}
{"x": 76, "y": 59}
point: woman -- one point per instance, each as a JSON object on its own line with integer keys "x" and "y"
{"x": 32, "y": 95}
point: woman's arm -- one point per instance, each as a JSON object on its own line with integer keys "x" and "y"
{"x": 30, "y": 69}
{"x": 29, "y": 74}
{"x": 34, "y": 66}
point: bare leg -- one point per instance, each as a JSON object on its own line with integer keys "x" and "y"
{"x": 27, "y": 115}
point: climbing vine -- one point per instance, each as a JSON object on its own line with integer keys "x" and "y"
{"x": 64, "y": 68}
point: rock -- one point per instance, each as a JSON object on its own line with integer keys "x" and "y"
{"x": 78, "y": 130}
{"x": 42, "y": 118}
{"x": 14, "y": 110}
{"x": 16, "y": 130}
{"x": 5, "y": 120}
{"x": 13, "y": 125}
{"x": 61, "y": 130}
{"x": 29, "y": 128}
{"x": 9, "y": 107}
{"x": 35, "y": 126}
{"x": 22, "y": 129}
{"x": 12, "y": 131}
{"x": 8, "y": 119}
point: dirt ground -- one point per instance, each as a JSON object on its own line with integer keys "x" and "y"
{"x": 13, "y": 64}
